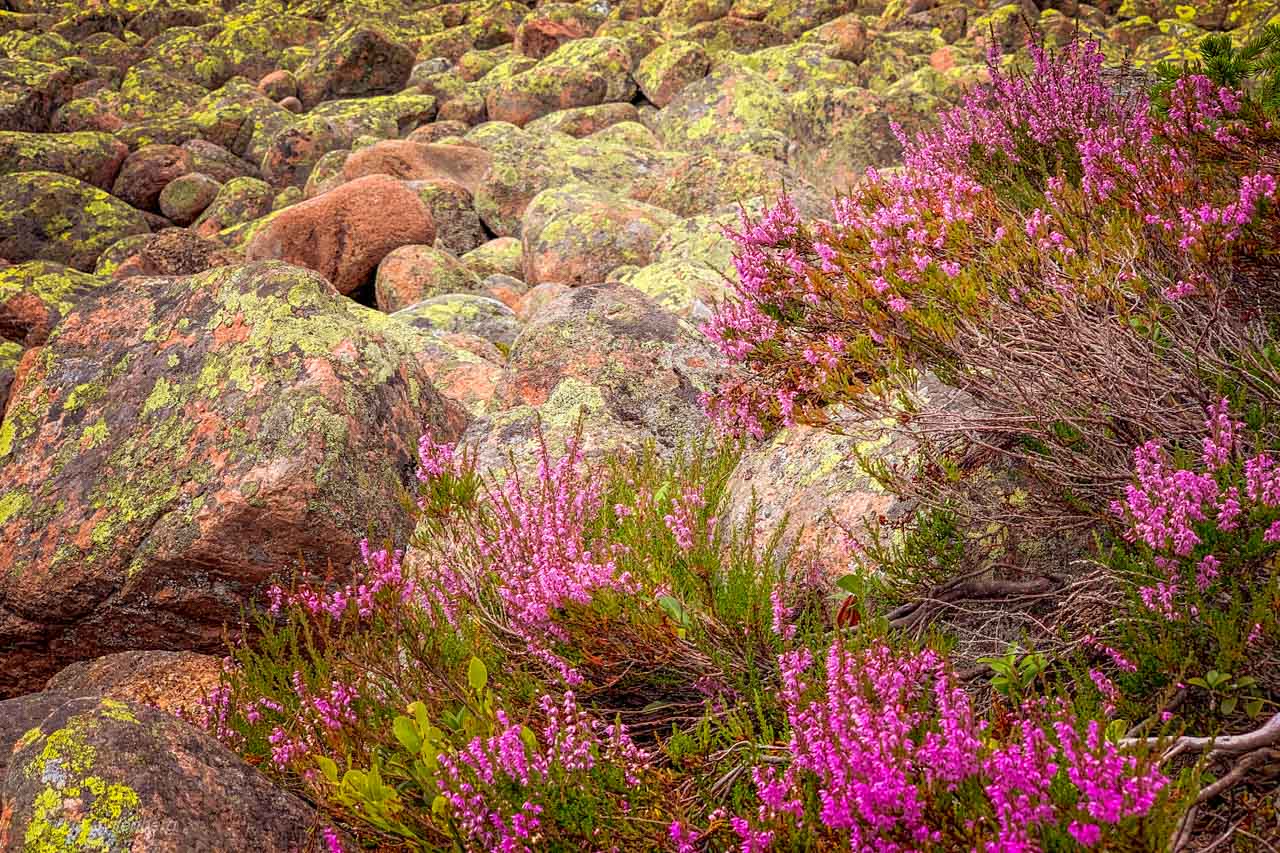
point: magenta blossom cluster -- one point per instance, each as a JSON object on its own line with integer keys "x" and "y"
{"x": 820, "y": 301}
{"x": 492, "y": 783}
{"x": 382, "y": 570}
{"x": 891, "y": 742}
{"x": 534, "y": 548}
{"x": 1171, "y": 508}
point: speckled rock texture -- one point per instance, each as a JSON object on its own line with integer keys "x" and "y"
{"x": 210, "y": 431}
{"x": 97, "y": 773}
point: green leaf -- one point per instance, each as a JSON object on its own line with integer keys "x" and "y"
{"x": 675, "y": 610}
{"x": 407, "y": 733}
{"x": 440, "y": 805}
{"x": 1229, "y": 705}
{"x": 1116, "y": 730}
{"x": 850, "y": 583}
{"x": 661, "y": 493}
{"x": 419, "y": 712}
{"x": 1253, "y": 707}
{"x": 477, "y": 674}
{"x": 530, "y": 739}
{"x": 328, "y": 768}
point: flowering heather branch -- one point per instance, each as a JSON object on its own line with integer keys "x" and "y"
{"x": 895, "y": 751}
{"x": 1041, "y": 235}
{"x": 1171, "y": 509}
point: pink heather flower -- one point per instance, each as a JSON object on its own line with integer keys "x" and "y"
{"x": 781, "y": 625}
{"x": 1107, "y": 687}
{"x": 332, "y": 842}
{"x": 682, "y": 519}
{"x": 1087, "y": 834}
{"x": 1206, "y": 571}
{"x": 893, "y": 729}
{"x": 1160, "y": 599}
{"x": 1255, "y": 634}
{"x": 1219, "y": 444}
{"x": 433, "y": 459}
{"x": 683, "y": 839}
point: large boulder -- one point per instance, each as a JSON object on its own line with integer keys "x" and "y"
{"x": 410, "y": 274}
{"x": 554, "y": 24}
{"x": 52, "y": 217}
{"x": 401, "y": 158}
{"x": 359, "y": 62}
{"x": 147, "y": 172}
{"x": 177, "y": 442}
{"x": 344, "y": 233}
{"x": 577, "y": 234}
{"x": 731, "y": 109}
{"x": 94, "y": 158}
{"x": 525, "y": 164}
{"x": 669, "y": 68}
{"x": 100, "y": 774}
{"x": 581, "y": 73}
{"x": 609, "y": 355}
{"x": 30, "y": 93}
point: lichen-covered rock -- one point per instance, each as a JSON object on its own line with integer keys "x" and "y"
{"x": 463, "y": 313}
{"x": 217, "y": 162}
{"x": 410, "y": 274}
{"x": 738, "y": 35}
{"x": 458, "y": 226}
{"x": 173, "y": 251}
{"x": 240, "y": 200}
{"x": 584, "y": 121}
{"x": 794, "y": 17}
{"x": 174, "y": 682}
{"x": 462, "y": 164}
{"x": 700, "y": 183}
{"x": 575, "y": 234}
{"x": 500, "y": 256}
{"x": 35, "y": 295}
{"x": 843, "y": 38}
{"x": 607, "y": 353}
{"x": 842, "y": 132}
{"x": 344, "y": 233}
{"x": 98, "y": 773}
{"x": 581, "y": 73}
{"x": 358, "y": 62}
{"x": 294, "y": 151}
{"x": 10, "y": 354}
{"x": 525, "y": 164}
{"x": 640, "y": 37}
{"x": 669, "y": 68}
{"x": 30, "y": 93}
{"x": 278, "y": 85}
{"x": 46, "y": 216}
{"x": 94, "y": 158}
{"x": 147, "y": 172}
{"x": 553, "y": 24}
{"x": 185, "y": 197}
{"x": 800, "y": 67}
{"x": 538, "y": 297}
{"x": 731, "y": 109}
{"x": 179, "y": 441}
{"x": 811, "y": 478}
{"x": 463, "y": 368}
{"x": 686, "y": 13}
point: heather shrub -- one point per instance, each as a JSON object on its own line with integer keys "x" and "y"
{"x": 1037, "y": 252}
{"x": 529, "y": 674}
{"x": 1086, "y": 272}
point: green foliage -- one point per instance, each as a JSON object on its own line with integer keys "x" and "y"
{"x": 1253, "y": 67}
